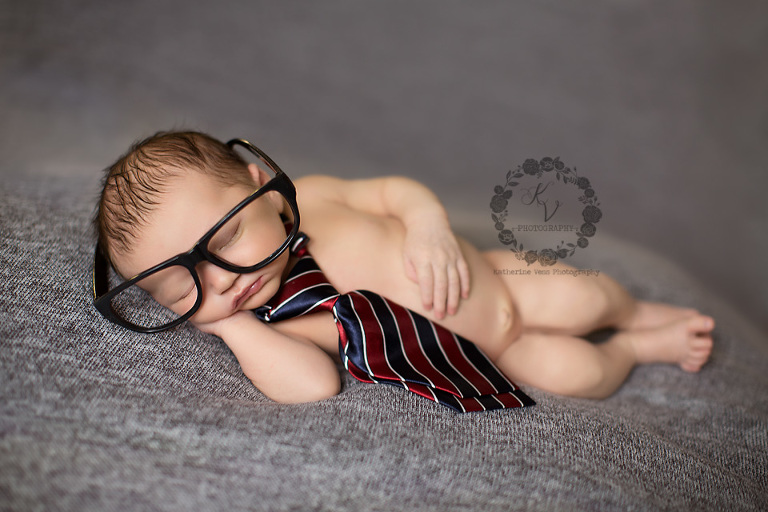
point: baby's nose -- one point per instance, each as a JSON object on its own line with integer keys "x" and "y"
{"x": 214, "y": 278}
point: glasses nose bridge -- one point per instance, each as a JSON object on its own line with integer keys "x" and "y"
{"x": 198, "y": 255}
{"x": 195, "y": 257}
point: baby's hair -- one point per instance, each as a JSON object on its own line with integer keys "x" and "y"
{"x": 133, "y": 185}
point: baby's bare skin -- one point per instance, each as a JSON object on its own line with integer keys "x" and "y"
{"x": 391, "y": 236}
{"x": 520, "y": 322}
{"x": 359, "y": 250}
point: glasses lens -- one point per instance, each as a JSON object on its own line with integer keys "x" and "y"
{"x": 252, "y": 235}
{"x": 157, "y": 300}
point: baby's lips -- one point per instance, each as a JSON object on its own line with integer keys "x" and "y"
{"x": 247, "y": 293}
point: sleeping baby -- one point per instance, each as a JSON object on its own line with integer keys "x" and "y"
{"x": 367, "y": 273}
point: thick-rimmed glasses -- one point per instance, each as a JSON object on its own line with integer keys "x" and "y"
{"x": 127, "y": 303}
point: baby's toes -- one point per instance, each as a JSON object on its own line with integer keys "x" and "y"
{"x": 699, "y": 349}
{"x": 700, "y": 324}
{"x": 700, "y": 342}
{"x": 695, "y": 361}
{"x": 690, "y": 366}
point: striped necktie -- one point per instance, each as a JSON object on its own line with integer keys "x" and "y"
{"x": 383, "y": 342}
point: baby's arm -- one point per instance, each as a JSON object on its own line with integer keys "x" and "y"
{"x": 432, "y": 256}
{"x": 284, "y": 368}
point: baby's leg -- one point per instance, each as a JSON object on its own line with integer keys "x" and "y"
{"x": 577, "y": 305}
{"x": 571, "y": 366}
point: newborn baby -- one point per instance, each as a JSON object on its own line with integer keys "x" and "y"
{"x": 178, "y": 190}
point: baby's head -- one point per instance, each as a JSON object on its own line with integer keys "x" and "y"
{"x": 134, "y": 186}
{"x": 167, "y": 192}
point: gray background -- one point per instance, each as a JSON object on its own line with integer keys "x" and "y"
{"x": 661, "y": 105}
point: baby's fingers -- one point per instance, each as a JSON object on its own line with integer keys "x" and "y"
{"x": 454, "y": 289}
{"x": 442, "y": 291}
{"x": 426, "y": 285}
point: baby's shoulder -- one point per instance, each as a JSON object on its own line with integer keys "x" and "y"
{"x": 319, "y": 185}
{"x": 336, "y": 202}
{"x": 317, "y": 192}
{"x": 363, "y": 194}
{"x": 321, "y": 200}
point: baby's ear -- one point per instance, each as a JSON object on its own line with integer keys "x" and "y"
{"x": 258, "y": 174}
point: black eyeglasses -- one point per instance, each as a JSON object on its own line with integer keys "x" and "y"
{"x": 128, "y": 303}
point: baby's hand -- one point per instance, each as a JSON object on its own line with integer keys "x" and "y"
{"x": 434, "y": 260}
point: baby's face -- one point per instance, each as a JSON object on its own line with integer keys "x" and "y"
{"x": 188, "y": 210}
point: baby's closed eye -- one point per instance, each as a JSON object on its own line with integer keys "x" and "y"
{"x": 227, "y": 238}
{"x": 177, "y": 286}
{"x": 186, "y": 294}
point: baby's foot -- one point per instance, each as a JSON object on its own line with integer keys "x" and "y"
{"x": 687, "y": 342}
{"x": 656, "y": 314}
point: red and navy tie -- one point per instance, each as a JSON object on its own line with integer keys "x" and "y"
{"x": 383, "y": 342}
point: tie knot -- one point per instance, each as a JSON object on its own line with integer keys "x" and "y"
{"x": 306, "y": 289}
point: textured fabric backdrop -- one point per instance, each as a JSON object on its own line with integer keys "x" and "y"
{"x": 661, "y": 104}
{"x": 97, "y": 418}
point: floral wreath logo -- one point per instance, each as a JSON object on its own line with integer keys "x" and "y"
{"x": 538, "y": 168}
